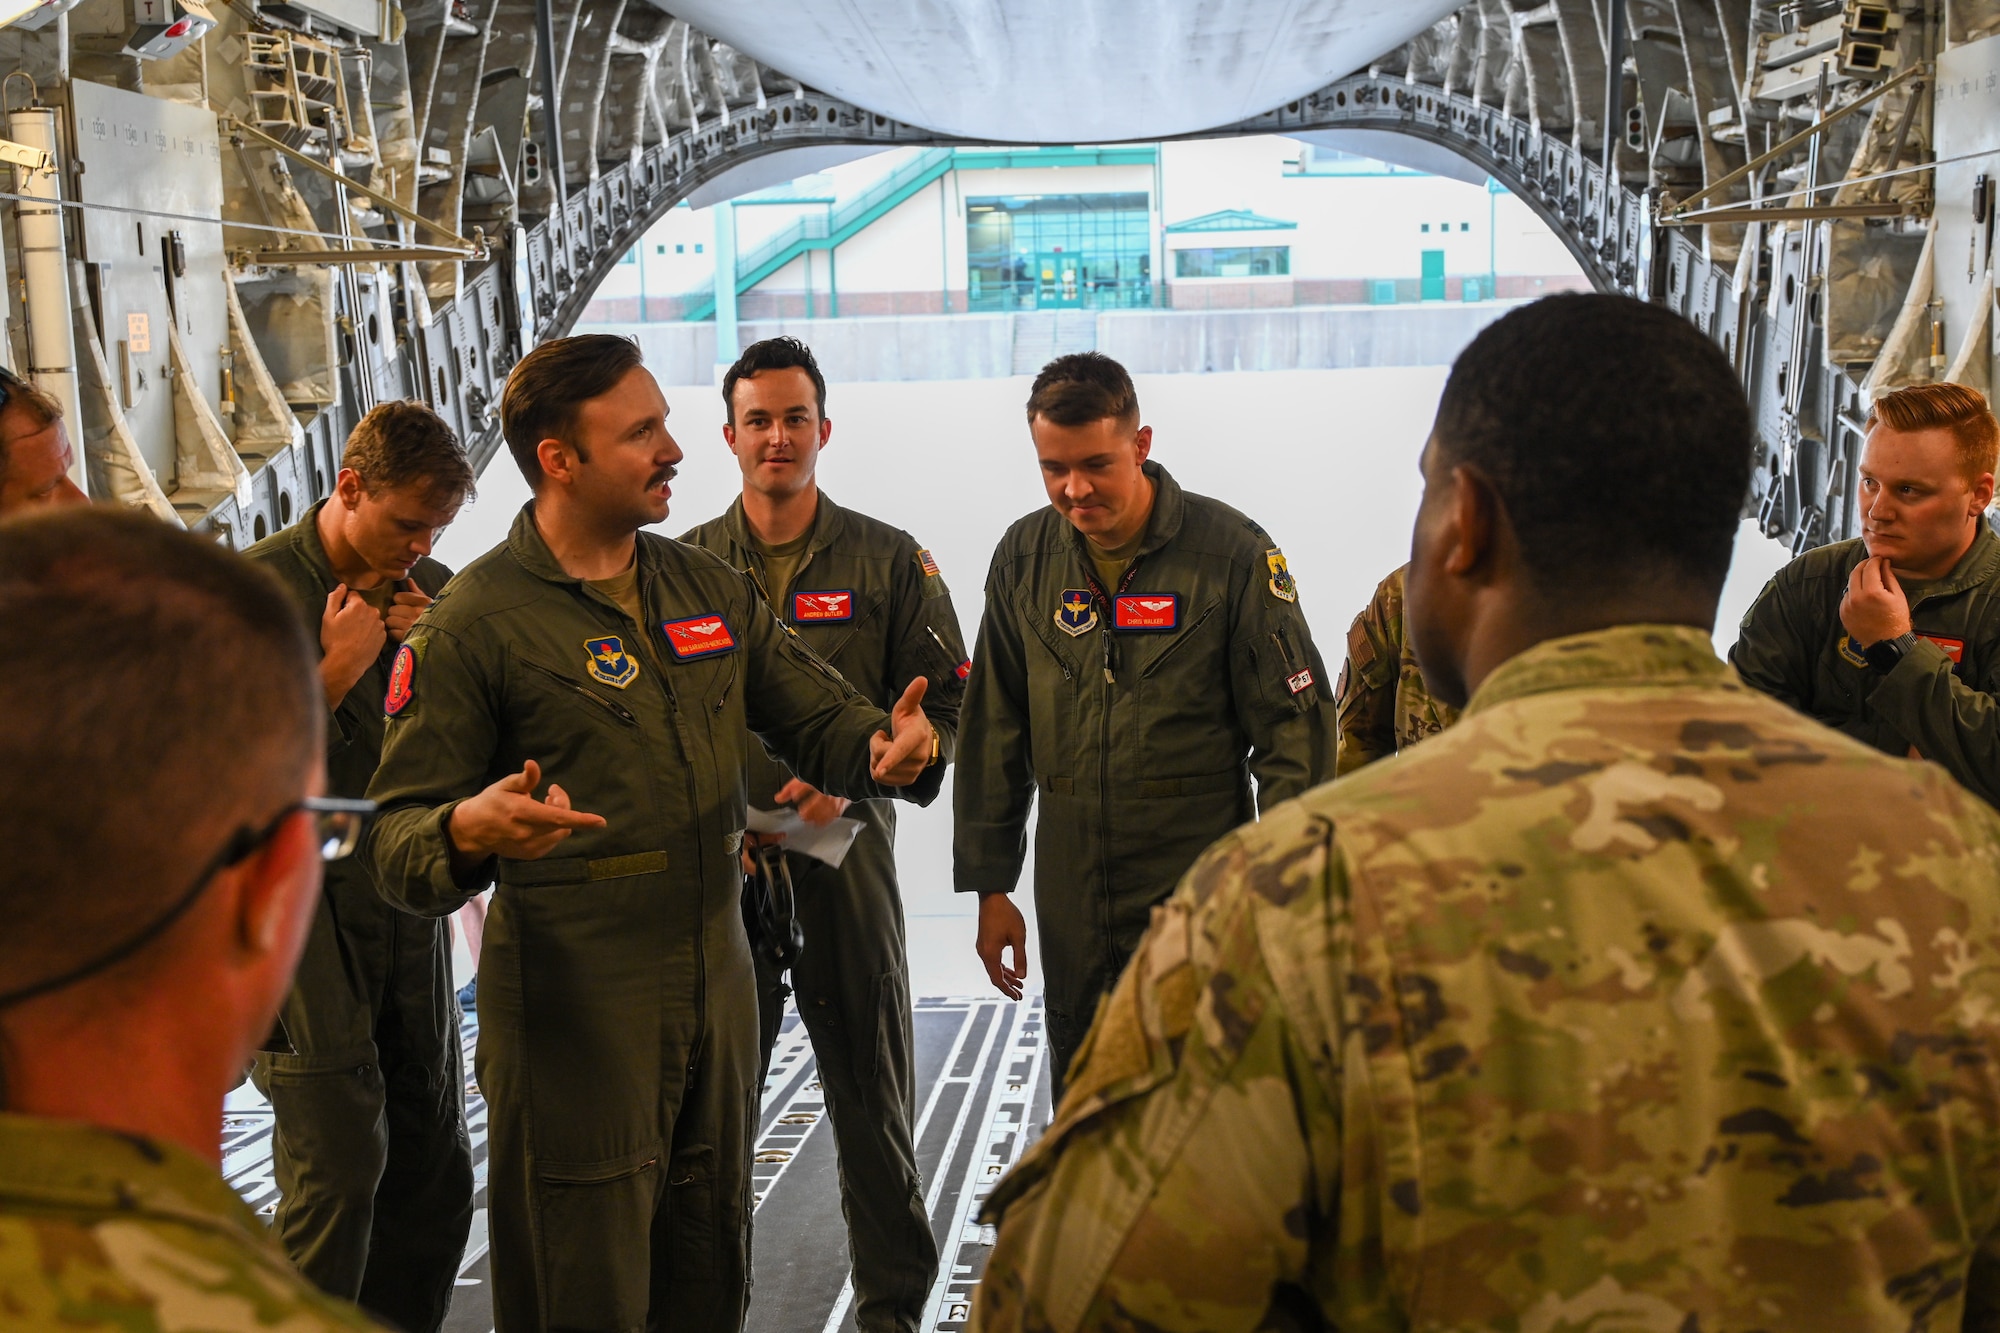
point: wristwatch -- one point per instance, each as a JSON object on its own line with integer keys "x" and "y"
{"x": 1884, "y": 654}
{"x": 937, "y": 748}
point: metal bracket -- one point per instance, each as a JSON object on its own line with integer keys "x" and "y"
{"x": 30, "y": 159}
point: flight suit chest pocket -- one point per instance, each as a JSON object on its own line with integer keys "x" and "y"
{"x": 544, "y": 691}
{"x": 829, "y": 620}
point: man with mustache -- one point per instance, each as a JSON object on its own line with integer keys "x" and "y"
{"x": 870, "y": 601}
{"x": 618, "y": 1009}
{"x": 1894, "y": 637}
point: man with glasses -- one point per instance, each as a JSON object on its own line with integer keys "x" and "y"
{"x": 364, "y": 1071}
{"x": 35, "y": 456}
{"x": 160, "y": 753}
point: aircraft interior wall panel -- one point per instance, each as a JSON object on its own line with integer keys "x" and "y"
{"x": 1968, "y": 110}
{"x": 148, "y": 156}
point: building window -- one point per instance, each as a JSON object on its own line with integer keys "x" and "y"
{"x": 1027, "y": 252}
{"x": 659, "y": 249}
{"x": 630, "y": 256}
{"x": 1465, "y": 226}
{"x": 1242, "y": 261}
{"x": 697, "y": 247}
{"x": 1425, "y": 228}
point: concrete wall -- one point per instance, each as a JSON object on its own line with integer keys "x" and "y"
{"x": 955, "y": 347}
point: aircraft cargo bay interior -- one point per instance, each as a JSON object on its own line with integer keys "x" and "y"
{"x": 258, "y": 256}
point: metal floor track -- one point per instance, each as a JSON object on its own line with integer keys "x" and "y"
{"x": 983, "y": 1097}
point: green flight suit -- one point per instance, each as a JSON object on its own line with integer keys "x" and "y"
{"x": 365, "y": 1075}
{"x": 868, "y": 600}
{"x": 1139, "y": 743}
{"x": 1383, "y": 705}
{"x": 1943, "y": 698}
{"x": 108, "y": 1232}
{"x": 618, "y": 1010}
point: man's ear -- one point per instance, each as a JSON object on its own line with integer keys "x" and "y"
{"x": 558, "y": 462}
{"x": 729, "y": 435}
{"x": 825, "y": 431}
{"x": 347, "y": 486}
{"x": 276, "y": 892}
{"x": 1472, "y": 522}
{"x": 1142, "y": 441}
{"x": 1982, "y": 493}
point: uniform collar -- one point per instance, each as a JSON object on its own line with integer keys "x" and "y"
{"x": 1162, "y": 525}
{"x": 527, "y": 545}
{"x": 305, "y": 540}
{"x": 1979, "y": 565}
{"x": 829, "y": 521}
{"x": 68, "y": 1164}
{"x": 1621, "y": 657}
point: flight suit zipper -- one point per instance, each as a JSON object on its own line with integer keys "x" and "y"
{"x": 1175, "y": 646}
{"x": 617, "y": 710}
{"x": 1108, "y": 619}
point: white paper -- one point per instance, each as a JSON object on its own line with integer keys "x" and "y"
{"x": 828, "y": 844}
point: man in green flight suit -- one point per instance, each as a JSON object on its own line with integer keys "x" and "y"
{"x": 160, "y": 765}
{"x": 364, "y": 1072}
{"x": 1635, "y": 1000}
{"x": 1894, "y": 637}
{"x": 618, "y": 1009}
{"x": 871, "y": 602}
{"x": 1142, "y": 656}
{"x": 1383, "y": 704}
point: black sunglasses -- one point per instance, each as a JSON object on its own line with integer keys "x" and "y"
{"x": 337, "y": 825}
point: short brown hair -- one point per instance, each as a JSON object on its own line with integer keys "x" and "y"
{"x": 404, "y": 443}
{"x": 1946, "y": 406}
{"x": 41, "y": 409}
{"x": 1083, "y": 387}
{"x": 157, "y": 693}
{"x": 549, "y": 384}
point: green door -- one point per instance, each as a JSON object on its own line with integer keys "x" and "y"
{"x": 1059, "y": 281}
{"x": 1433, "y": 284}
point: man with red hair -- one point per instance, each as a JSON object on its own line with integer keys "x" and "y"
{"x": 1894, "y": 637}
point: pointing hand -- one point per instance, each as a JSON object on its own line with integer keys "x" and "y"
{"x": 900, "y": 755}
{"x": 507, "y": 820}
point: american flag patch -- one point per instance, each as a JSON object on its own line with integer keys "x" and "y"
{"x": 927, "y": 564}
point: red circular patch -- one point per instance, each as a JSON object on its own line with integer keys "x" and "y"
{"x": 402, "y": 681}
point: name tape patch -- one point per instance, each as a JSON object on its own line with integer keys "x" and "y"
{"x": 1147, "y": 611}
{"x": 1953, "y": 648}
{"x": 698, "y": 636}
{"x": 820, "y": 607}
{"x": 1301, "y": 682}
{"x": 402, "y": 681}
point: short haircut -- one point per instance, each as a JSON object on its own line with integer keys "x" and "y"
{"x": 1083, "y": 387}
{"x": 549, "y": 385}
{"x": 403, "y": 443}
{"x": 1946, "y": 406}
{"x": 157, "y": 693}
{"x": 772, "y": 354}
{"x": 37, "y": 407}
{"x": 1616, "y": 436}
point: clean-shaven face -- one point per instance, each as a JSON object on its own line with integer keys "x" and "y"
{"x": 778, "y": 431}
{"x": 1093, "y": 474}
{"x": 1918, "y": 506}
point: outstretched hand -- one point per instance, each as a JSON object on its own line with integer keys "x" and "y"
{"x": 899, "y": 755}
{"x": 507, "y": 820}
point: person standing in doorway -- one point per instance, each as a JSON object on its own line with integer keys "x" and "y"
{"x": 870, "y": 600}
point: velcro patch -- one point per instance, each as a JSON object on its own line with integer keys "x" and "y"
{"x": 926, "y": 563}
{"x": 820, "y": 607}
{"x": 1147, "y": 611}
{"x": 1953, "y": 648}
{"x": 402, "y": 681}
{"x": 1300, "y": 682}
{"x": 698, "y": 636}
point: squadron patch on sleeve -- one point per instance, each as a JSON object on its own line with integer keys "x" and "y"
{"x": 964, "y": 669}
{"x": 402, "y": 681}
{"x": 1300, "y": 682}
{"x": 1077, "y": 613}
{"x": 1283, "y": 586}
{"x": 607, "y": 661}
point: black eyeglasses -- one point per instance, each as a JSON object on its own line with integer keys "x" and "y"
{"x": 337, "y": 825}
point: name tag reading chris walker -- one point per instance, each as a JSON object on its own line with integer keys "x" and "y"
{"x": 1147, "y": 611}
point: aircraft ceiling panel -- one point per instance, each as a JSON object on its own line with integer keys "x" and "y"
{"x": 1065, "y": 71}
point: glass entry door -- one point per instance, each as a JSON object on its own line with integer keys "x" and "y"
{"x": 1059, "y": 284}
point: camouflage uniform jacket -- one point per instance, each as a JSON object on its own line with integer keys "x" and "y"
{"x": 1383, "y": 704}
{"x": 104, "y": 1231}
{"x": 1943, "y": 698}
{"x": 1635, "y": 1001}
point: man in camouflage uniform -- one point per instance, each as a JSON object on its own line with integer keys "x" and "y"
{"x": 1636, "y": 1000}
{"x": 160, "y": 739}
{"x": 1894, "y": 637}
{"x": 1383, "y": 703}
{"x": 364, "y": 1073}
{"x": 1142, "y": 657}
{"x": 871, "y": 602}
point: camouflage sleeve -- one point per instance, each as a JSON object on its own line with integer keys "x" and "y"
{"x": 1278, "y": 684}
{"x": 1951, "y": 724}
{"x": 1772, "y": 652}
{"x": 994, "y": 787}
{"x": 1366, "y": 700}
{"x": 439, "y": 747}
{"x": 1198, "y": 1148}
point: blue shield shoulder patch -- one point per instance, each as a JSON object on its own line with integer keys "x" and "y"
{"x": 608, "y": 662}
{"x": 1077, "y": 613}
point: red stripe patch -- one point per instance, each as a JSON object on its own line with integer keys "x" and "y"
{"x": 699, "y": 636}
{"x": 819, "y": 607}
{"x": 1953, "y": 648}
{"x": 1147, "y": 611}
